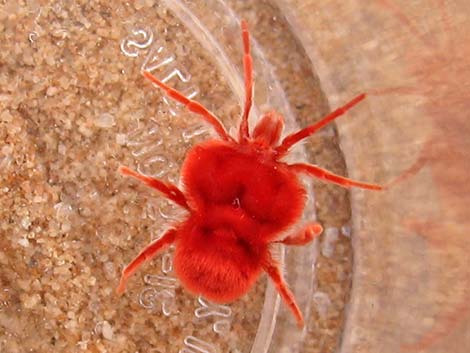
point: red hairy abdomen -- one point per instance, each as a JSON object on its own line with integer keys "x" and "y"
{"x": 221, "y": 173}
{"x": 213, "y": 260}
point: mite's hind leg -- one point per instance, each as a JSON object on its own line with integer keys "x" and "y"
{"x": 168, "y": 189}
{"x": 192, "y": 106}
{"x": 328, "y": 176}
{"x": 304, "y": 236}
{"x": 274, "y": 272}
{"x": 148, "y": 253}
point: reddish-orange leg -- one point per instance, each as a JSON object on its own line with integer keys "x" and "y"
{"x": 171, "y": 192}
{"x": 192, "y": 106}
{"x": 313, "y": 170}
{"x": 244, "y": 133}
{"x": 148, "y": 253}
{"x": 274, "y": 272}
{"x": 292, "y": 139}
{"x": 332, "y": 178}
{"x": 304, "y": 236}
{"x": 168, "y": 189}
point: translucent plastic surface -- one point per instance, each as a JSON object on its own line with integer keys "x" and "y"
{"x": 410, "y": 283}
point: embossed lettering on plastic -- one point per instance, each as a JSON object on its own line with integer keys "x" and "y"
{"x": 158, "y": 59}
{"x": 160, "y": 288}
{"x": 196, "y": 345}
{"x": 139, "y": 39}
{"x": 220, "y": 313}
{"x": 144, "y": 141}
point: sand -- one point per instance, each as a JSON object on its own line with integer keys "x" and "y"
{"x": 73, "y": 107}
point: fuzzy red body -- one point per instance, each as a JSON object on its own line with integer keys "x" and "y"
{"x": 242, "y": 200}
{"x": 248, "y": 179}
{"x": 240, "y": 197}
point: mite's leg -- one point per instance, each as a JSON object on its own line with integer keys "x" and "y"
{"x": 292, "y": 139}
{"x": 304, "y": 236}
{"x": 330, "y": 177}
{"x": 248, "y": 68}
{"x": 274, "y": 272}
{"x": 169, "y": 190}
{"x": 148, "y": 253}
{"x": 192, "y": 106}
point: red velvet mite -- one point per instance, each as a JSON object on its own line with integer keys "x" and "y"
{"x": 240, "y": 197}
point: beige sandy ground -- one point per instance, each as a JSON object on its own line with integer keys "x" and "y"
{"x": 73, "y": 108}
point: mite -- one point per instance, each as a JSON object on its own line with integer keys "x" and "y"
{"x": 240, "y": 197}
